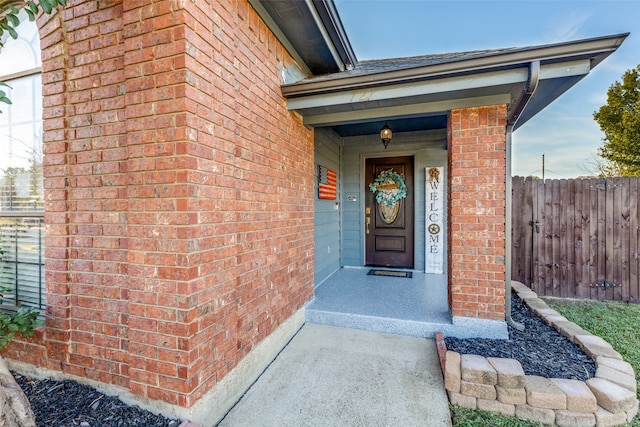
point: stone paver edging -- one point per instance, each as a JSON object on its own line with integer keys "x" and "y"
{"x": 500, "y": 385}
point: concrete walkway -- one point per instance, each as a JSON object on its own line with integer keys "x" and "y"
{"x": 330, "y": 376}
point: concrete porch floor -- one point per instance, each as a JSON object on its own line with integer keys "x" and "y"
{"x": 350, "y": 298}
{"x": 416, "y": 307}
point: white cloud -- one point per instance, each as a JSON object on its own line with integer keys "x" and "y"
{"x": 598, "y": 98}
{"x": 567, "y": 27}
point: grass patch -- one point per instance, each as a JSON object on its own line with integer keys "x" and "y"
{"x": 618, "y": 323}
{"x": 476, "y": 418}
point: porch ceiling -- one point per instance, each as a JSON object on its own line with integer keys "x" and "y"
{"x": 412, "y": 94}
{"x": 399, "y": 125}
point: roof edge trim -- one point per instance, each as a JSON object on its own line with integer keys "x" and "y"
{"x": 331, "y": 21}
{"x": 595, "y": 47}
{"x": 328, "y": 38}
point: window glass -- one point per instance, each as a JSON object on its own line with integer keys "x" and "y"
{"x": 21, "y": 147}
{"x": 23, "y": 53}
{"x": 21, "y": 172}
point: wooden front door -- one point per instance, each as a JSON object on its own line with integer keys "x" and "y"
{"x": 389, "y": 235}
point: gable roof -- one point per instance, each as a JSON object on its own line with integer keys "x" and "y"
{"x": 426, "y": 86}
{"x": 377, "y": 66}
{"x": 415, "y": 93}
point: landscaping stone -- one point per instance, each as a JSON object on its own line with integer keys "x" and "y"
{"x": 15, "y": 409}
{"x": 611, "y": 396}
{"x": 593, "y": 340}
{"x": 514, "y": 396}
{"x": 618, "y": 365}
{"x": 605, "y": 418}
{"x": 617, "y": 377}
{"x": 482, "y": 391}
{"x": 633, "y": 412}
{"x": 538, "y": 415}
{"x": 495, "y": 406}
{"x": 510, "y": 372}
{"x": 452, "y": 373}
{"x": 547, "y": 312}
{"x": 442, "y": 350}
{"x": 535, "y": 304}
{"x": 524, "y": 291}
{"x": 569, "y": 329}
{"x": 468, "y": 402}
{"x": 533, "y": 348}
{"x": 565, "y": 418}
{"x": 595, "y": 346}
{"x": 552, "y": 397}
{"x": 519, "y": 287}
{"x": 527, "y": 295}
{"x": 477, "y": 369}
{"x": 552, "y": 320}
{"x": 579, "y": 395}
{"x": 542, "y": 393}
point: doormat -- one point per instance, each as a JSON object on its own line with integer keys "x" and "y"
{"x": 375, "y": 272}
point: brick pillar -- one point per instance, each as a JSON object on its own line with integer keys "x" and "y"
{"x": 178, "y": 194}
{"x": 220, "y": 193}
{"x": 476, "y": 138}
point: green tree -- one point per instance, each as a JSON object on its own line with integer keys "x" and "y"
{"x": 9, "y": 21}
{"x": 619, "y": 119}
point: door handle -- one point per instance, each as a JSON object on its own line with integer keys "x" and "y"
{"x": 367, "y": 221}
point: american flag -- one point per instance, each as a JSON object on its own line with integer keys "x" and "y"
{"x": 326, "y": 183}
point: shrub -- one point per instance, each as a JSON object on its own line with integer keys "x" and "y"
{"x": 23, "y": 320}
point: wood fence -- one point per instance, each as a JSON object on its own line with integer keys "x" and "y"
{"x": 577, "y": 238}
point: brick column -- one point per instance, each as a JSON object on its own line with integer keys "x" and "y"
{"x": 476, "y": 138}
{"x": 219, "y": 194}
{"x": 178, "y": 194}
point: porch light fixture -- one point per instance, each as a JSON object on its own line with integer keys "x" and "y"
{"x": 385, "y": 135}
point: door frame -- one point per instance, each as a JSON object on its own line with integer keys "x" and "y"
{"x": 363, "y": 161}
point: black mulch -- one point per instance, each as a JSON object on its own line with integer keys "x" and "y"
{"x": 69, "y": 404}
{"x": 539, "y": 348}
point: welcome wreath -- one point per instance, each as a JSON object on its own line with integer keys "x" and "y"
{"x": 389, "y": 187}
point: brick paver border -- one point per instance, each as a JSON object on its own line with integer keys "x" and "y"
{"x": 500, "y": 385}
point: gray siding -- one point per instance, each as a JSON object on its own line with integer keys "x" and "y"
{"x": 327, "y": 217}
{"x": 429, "y": 149}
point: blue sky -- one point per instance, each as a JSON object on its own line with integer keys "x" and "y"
{"x": 565, "y": 131}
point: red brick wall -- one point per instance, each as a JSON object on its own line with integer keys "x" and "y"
{"x": 477, "y": 180}
{"x": 179, "y": 194}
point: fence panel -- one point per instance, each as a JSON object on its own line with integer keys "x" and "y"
{"x": 634, "y": 240}
{"x": 577, "y": 238}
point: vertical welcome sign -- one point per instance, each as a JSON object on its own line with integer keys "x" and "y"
{"x": 434, "y": 217}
